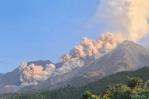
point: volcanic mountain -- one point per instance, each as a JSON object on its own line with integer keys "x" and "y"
{"x": 127, "y": 56}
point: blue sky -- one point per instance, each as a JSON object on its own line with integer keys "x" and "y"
{"x": 42, "y": 29}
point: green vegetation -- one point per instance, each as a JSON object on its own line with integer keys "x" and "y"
{"x": 134, "y": 89}
{"x": 89, "y": 95}
{"x": 120, "y": 81}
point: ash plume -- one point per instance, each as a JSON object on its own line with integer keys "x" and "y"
{"x": 33, "y": 74}
{"x": 93, "y": 48}
{"x": 130, "y": 17}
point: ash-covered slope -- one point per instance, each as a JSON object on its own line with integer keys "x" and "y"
{"x": 126, "y": 56}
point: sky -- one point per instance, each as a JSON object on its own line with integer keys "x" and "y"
{"x": 42, "y": 29}
{"x": 33, "y": 30}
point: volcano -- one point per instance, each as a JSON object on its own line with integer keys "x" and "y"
{"x": 127, "y": 56}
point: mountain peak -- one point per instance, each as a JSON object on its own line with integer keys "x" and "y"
{"x": 128, "y": 43}
{"x": 131, "y": 46}
{"x": 40, "y": 62}
{"x": 126, "y": 56}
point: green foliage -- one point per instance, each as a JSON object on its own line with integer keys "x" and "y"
{"x": 139, "y": 97}
{"x": 133, "y": 90}
{"x": 135, "y": 82}
{"x": 63, "y": 93}
{"x": 89, "y": 95}
{"x": 117, "y": 91}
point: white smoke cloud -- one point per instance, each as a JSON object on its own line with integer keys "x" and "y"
{"x": 127, "y": 17}
{"x": 130, "y": 17}
{"x": 88, "y": 49}
{"x": 91, "y": 48}
{"x": 33, "y": 74}
{"x": 69, "y": 66}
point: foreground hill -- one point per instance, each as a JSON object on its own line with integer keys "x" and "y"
{"x": 76, "y": 92}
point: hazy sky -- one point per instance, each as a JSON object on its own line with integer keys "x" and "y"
{"x": 42, "y": 29}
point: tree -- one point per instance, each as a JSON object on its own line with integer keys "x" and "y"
{"x": 89, "y": 95}
{"x": 135, "y": 89}
{"x": 118, "y": 91}
{"x": 135, "y": 82}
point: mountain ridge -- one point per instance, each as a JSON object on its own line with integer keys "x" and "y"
{"x": 127, "y": 56}
{"x": 96, "y": 87}
{"x": 123, "y": 58}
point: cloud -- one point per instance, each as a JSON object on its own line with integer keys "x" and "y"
{"x": 69, "y": 66}
{"x": 92, "y": 48}
{"x": 33, "y": 74}
{"x": 86, "y": 51}
{"x": 130, "y": 17}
